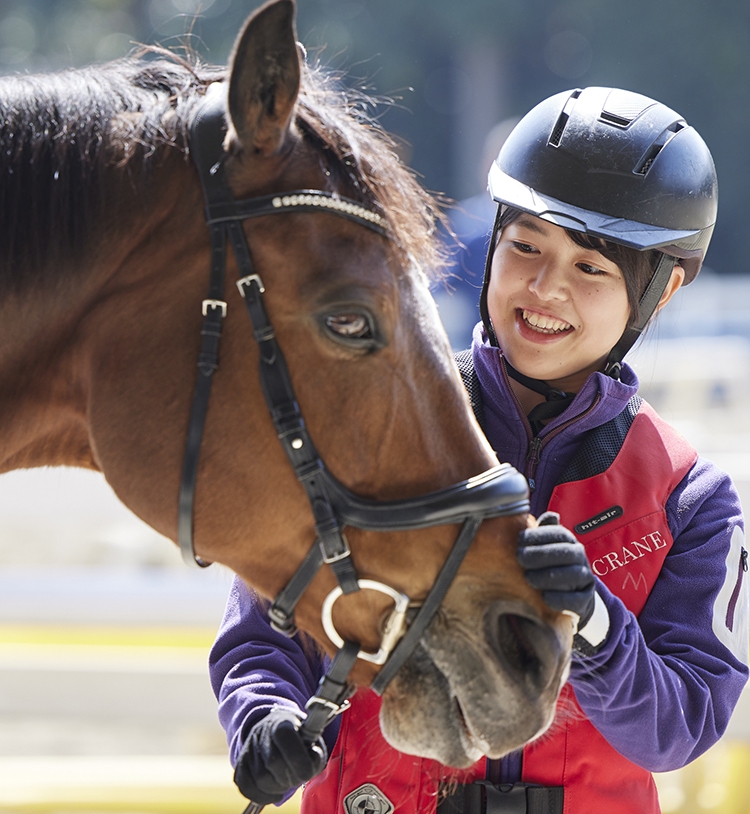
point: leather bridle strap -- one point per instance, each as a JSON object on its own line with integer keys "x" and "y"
{"x": 206, "y": 139}
{"x": 497, "y": 492}
{"x": 290, "y": 426}
{"x": 214, "y": 310}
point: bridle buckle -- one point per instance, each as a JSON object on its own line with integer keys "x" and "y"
{"x": 214, "y": 304}
{"x": 245, "y": 281}
{"x": 328, "y": 559}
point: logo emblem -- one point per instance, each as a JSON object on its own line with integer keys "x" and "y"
{"x": 598, "y": 520}
{"x": 367, "y": 799}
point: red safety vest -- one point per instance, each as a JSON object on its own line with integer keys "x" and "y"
{"x": 619, "y": 517}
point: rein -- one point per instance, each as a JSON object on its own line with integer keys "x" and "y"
{"x": 498, "y": 492}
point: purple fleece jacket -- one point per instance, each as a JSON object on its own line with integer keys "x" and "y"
{"x": 662, "y": 687}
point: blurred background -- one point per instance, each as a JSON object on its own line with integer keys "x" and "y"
{"x": 104, "y": 698}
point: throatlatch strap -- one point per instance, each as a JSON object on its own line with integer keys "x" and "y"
{"x": 214, "y": 311}
{"x": 206, "y": 136}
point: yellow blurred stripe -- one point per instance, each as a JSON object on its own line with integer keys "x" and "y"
{"x": 107, "y": 635}
{"x": 103, "y": 659}
{"x": 102, "y": 650}
{"x": 143, "y": 784}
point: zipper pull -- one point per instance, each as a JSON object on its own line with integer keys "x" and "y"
{"x": 532, "y": 459}
{"x": 743, "y": 556}
{"x": 532, "y": 454}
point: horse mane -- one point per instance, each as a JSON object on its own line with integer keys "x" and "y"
{"x": 62, "y": 135}
{"x": 337, "y": 118}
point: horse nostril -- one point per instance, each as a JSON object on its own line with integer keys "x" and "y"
{"x": 524, "y": 647}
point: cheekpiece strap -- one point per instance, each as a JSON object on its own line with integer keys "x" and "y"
{"x": 332, "y": 696}
{"x": 288, "y": 421}
{"x": 224, "y": 216}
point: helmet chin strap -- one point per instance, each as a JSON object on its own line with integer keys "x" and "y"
{"x": 646, "y": 308}
{"x": 556, "y": 401}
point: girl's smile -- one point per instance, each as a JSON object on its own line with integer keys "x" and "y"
{"x": 538, "y": 325}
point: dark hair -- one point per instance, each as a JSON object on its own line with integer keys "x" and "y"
{"x": 637, "y": 267}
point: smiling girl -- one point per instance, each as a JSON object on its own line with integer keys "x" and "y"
{"x": 606, "y": 205}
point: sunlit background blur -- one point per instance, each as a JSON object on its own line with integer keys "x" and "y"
{"x": 104, "y": 698}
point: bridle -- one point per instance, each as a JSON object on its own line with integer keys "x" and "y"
{"x": 498, "y": 492}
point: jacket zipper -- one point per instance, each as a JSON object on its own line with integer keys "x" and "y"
{"x": 536, "y": 444}
{"x": 535, "y": 450}
{"x": 533, "y": 453}
{"x": 512, "y": 764}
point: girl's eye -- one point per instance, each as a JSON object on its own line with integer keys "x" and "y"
{"x": 586, "y": 268}
{"x": 349, "y": 326}
{"x": 525, "y": 248}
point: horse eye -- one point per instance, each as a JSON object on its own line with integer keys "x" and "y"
{"x": 350, "y": 326}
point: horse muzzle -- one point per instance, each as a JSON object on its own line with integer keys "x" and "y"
{"x": 485, "y": 689}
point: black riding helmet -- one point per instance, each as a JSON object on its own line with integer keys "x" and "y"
{"x": 615, "y": 165}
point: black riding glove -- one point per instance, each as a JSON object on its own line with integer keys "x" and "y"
{"x": 555, "y": 563}
{"x": 275, "y": 758}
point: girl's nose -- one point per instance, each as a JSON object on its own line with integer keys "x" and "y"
{"x": 548, "y": 283}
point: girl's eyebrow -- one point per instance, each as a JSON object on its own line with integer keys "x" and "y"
{"x": 532, "y": 224}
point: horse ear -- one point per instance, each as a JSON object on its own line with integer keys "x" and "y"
{"x": 265, "y": 77}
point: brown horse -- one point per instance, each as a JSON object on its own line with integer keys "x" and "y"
{"x": 104, "y": 257}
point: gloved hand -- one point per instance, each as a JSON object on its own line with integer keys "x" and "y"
{"x": 555, "y": 563}
{"x": 275, "y": 758}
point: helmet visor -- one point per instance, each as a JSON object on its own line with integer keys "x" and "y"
{"x": 635, "y": 235}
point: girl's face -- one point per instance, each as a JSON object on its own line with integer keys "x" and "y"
{"x": 557, "y": 308}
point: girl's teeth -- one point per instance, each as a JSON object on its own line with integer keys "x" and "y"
{"x": 545, "y": 324}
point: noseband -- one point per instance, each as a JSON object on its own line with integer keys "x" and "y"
{"x": 498, "y": 492}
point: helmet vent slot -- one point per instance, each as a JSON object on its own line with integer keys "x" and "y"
{"x": 554, "y": 139}
{"x": 562, "y": 120}
{"x": 613, "y": 118}
{"x": 622, "y": 107}
{"x": 644, "y": 165}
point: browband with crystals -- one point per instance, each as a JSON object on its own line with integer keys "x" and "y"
{"x": 297, "y": 200}
{"x": 314, "y": 197}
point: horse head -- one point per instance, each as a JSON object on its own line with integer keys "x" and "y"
{"x": 104, "y": 328}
